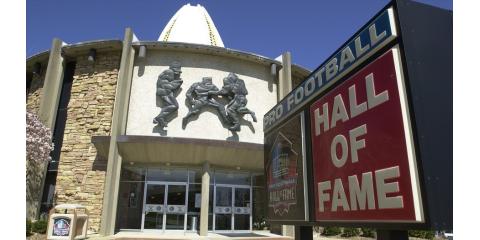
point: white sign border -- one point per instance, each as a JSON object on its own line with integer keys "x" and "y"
{"x": 409, "y": 142}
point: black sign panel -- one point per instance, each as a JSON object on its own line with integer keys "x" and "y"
{"x": 284, "y": 170}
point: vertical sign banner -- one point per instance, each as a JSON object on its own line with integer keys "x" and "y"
{"x": 284, "y": 170}
{"x": 363, "y": 154}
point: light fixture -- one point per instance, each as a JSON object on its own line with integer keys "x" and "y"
{"x": 273, "y": 69}
{"x": 92, "y": 55}
{"x": 37, "y": 67}
{"x": 131, "y": 163}
{"x": 142, "y": 52}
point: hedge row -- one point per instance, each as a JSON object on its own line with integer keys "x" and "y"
{"x": 368, "y": 232}
{"x": 347, "y": 232}
{"x": 39, "y": 226}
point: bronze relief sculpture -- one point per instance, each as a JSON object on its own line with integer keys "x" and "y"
{"x": 168, "y": 83}
{"x": 202, "y": 94}
{"x": 199, "y": 95}
{"x": 234, "y": 89}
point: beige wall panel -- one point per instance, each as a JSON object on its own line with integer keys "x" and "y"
{"x": 144, "y": 104}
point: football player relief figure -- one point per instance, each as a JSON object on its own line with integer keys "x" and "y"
{"x": 234, "y": 89}
{"x": 168, "y": 83}
{"x": 201, "y": 94}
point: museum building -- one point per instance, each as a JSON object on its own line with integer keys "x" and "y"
{"x": 162, "y": 135}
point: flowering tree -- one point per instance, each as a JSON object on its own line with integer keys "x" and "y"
{"x": 39, "y": 140}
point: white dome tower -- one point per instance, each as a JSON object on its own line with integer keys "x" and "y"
{"x": 191, "y": 24}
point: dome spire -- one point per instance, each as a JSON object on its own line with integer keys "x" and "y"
{"x": 191, "y": 24}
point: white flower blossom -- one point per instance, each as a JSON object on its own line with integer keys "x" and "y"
{"x": 39, "y": 140}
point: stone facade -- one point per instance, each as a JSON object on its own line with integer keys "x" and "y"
{"x": 35, "y": 91}
{"x": 34, "y": 171}
{"x": 81, "y": 173}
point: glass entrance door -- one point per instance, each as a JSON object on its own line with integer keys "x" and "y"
{"x": 165, "y": 206}
{"x": 223, "y": 208}
{"x": 233, "y": 208}
{"x": 176, "y": 207}
{"x": 242, "y": 208}
{"x": 154, "y": 206}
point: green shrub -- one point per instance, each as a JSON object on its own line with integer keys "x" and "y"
{"x": 421, "y": 234}
{"x": 350, "y": 232}
{"x": 331, "y": 231}
{"x": 29, "y": 227}
{"x": 368, "y": 232}
{"x": 40, "y": 226}
{"x": 429, "y": 234}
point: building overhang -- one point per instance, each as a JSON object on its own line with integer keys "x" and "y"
{"x": 184, "y": 151}
{"x": 77, "y": 49}
{"x": 81, "y": 48}
{"x": 207, "y": 49}
{"x": 71, "y": 51}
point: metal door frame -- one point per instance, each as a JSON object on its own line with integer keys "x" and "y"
{"x": 232, "y": 214}
{"x": 165, "y": 204}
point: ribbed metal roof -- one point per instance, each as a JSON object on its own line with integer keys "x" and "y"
{"x": 191, "y": 24}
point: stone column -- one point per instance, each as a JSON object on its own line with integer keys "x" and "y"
{"x": 288, "y": 230}
{"x": 119, "y": 122}
{"x": 284, "y": 87}
{"x": 205, "y": 200}
{"x": 52, "y": 88}
{"x": 285, "y": 75}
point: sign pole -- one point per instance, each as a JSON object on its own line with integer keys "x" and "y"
{"x": 303, "y": 233}
{"x": 392, "y": 234}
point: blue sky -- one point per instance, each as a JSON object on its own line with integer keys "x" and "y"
{"x": 310, "y": 30}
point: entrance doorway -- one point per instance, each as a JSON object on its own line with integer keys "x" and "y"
{"x": 232, "y": 208}
{"x": 165, "y": 206}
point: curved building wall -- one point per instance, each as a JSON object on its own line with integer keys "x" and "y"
{"x": 81, "y": 171}
{"x": 145, "y": 105}
{"x": 82, "y": 164}
{"x": 35, "y": 90}
{"x": 33, "y": 169}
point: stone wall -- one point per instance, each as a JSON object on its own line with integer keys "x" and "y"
{"x": 81, "y": 173}
{"x": 35, "y": 91}
{"x": 34, "y": 171}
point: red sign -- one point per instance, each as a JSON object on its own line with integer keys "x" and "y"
{"x": 363, "y": 156}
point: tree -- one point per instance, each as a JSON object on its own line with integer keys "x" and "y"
{"x": 39, "y": 140}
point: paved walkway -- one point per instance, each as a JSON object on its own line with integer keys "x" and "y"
{"x": 257, "y": 235}
{"x": 263, "y": 235}
{"x": 320, "y": 237}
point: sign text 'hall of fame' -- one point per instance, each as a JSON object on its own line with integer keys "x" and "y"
{"x": 362, "y": 148}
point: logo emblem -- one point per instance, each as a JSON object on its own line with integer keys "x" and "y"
{"x": 61, "y": 227}
{"x": 282, "y": 176}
